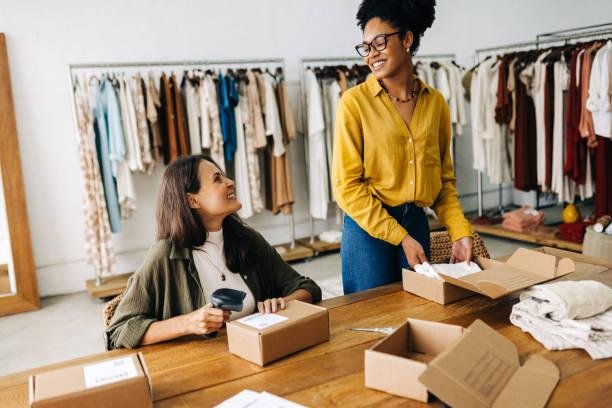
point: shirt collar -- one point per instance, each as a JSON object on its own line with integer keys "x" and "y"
{"x": 375, "y": 88}
{"x": 178, "y": 252}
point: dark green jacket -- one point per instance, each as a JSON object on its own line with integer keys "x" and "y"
{"x": 167, "y": 285}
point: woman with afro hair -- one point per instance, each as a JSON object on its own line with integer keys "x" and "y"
{"x": 391, "y": 153}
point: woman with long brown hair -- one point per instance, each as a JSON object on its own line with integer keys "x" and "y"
{"x": 202, "y": 246}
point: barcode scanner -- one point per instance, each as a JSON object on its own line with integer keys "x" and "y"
{"x": 226, "y": 299}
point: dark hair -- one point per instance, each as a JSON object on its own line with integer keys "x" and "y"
{"x": 183, "y": 226}
{"x": 405, "y": 15}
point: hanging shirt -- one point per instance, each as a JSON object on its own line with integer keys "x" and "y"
{"x": 599, "y": 102}
{"x": 255, "y": 112}
{"x": 273, "y": 124}
{"x": 216, "y": 150}
{"x": 111, "y": 146}
{"x": 210, "y": 263}
{"x": 241, "y": 166}
{"x": 559, "y": 182}
{"x": 130, "y": 127}
{"x": 228, "y": 100}
{"x": 204, "y": 99}
{"x": 153, "y": 112}
{"x": 98, "y": 240}
{"x": 144, "y": 137}
{"x": 379, "y": 160}
{"x": 190, "y": 93}
{"x": 317, "y": 158}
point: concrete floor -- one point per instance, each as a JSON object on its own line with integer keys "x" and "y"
{"x": 70, "y": 326}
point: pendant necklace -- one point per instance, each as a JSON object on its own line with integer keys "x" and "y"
{"x": 411, "y": 94}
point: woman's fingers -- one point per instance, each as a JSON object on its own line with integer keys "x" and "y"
{"x": 271, "y": 305}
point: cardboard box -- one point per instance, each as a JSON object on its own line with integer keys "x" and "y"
{"x": 114, "y": 382}
{"x": 523, "y": 269}
{"x": 395, "y": 363}
{"x": 433, "y": 289}
{"x": 305, "y": 325}
{"x": 482, "y": 369}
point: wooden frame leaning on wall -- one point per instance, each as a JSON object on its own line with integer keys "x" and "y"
{"x": 25, "y": 297}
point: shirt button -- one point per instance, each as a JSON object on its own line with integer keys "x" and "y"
{"x": 411, "y": 161}
{"x": 409, "y": 140}
{"x": 411, "y": 182}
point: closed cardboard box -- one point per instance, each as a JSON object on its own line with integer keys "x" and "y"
{"x": 395, "y": 363}
{"x": 262, "y": 339}
{"x": 114, "y": 382}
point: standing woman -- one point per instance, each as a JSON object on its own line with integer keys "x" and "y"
{"x": 202, "y": 246}
{"x": 392, "y": 153}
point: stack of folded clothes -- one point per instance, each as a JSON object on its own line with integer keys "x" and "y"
{"x": 564, "y": 315}
{"x": 574, "y": 231}
{"x": 524, "y": 219}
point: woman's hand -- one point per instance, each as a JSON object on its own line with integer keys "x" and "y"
{"x": 413, "y": 250}
{"x": 205, "y": 320}
{"x": 271, "y": 305}
{"x": 462, "y": 250}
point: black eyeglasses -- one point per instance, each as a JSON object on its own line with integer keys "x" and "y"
{"x": 379, "y": 43}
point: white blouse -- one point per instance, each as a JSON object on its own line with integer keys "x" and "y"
{"x": 210, "y": 263}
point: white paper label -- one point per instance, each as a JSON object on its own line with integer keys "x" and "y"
{"x": 109, "y": 372}
{"x": 261, "y": 321}
{"x": 252, "y": 399}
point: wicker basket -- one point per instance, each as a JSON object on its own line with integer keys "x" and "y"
{"x": 597, "y": 244}
{"x": 441, "y": 247}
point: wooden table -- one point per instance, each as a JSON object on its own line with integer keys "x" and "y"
{"x": 195, "y": 373}
{"x": 543, "y": 236}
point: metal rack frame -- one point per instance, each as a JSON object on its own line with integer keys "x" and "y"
{"x": 186, "y": 64}
{"x": 562, "y": 36}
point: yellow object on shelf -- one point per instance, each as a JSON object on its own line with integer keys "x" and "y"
{"x": 571, "y": 213}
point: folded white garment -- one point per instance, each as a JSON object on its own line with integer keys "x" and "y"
{"x": 592, "y": 334}
{"x": 456, "y": 270}
{"x": 331, "y": 236}
{"x": 570, "y": 299}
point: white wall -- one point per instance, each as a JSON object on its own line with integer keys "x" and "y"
{"x": 43, "y": 37}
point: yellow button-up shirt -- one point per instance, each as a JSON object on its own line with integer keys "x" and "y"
{"x": 378, "y": 160}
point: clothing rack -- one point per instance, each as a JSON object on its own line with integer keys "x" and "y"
{"x": 305, "y": 64}
{"x": 73, "y": 68}
{"x": 562, "y": 36}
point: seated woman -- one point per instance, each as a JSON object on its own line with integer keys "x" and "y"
{"x": 202, "y": 246}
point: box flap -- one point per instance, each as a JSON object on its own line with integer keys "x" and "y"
{"x": 533, "y": 261}
{"x": 531, "y": 385}
{"x": 472, "y": 371}
{"x": 496, "y": 281}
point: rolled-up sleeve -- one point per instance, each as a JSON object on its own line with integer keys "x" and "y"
{"x": 133, "y": 316}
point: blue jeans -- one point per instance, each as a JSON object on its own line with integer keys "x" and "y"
{"x": 369, "y": 262}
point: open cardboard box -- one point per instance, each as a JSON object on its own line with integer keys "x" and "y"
{"x": 306, "y": 326}
{"x": 482, "y": 369}
{"x": 113, "y": 382}
{"x": 524, "y": 268}
{"x": 395, "y": 363}
{"x": 435, "y": 290}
